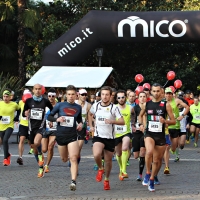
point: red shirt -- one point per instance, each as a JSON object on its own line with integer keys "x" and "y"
{"x": 190, "y": 101}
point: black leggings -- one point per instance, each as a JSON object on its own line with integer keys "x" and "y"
{"x": 5, "y": 135}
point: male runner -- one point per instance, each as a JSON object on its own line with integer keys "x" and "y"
{"x": 34, "y": 109}
{"x": 123, "y": 133}
{"x": 155, "y": 111}
{"x": 7, "y": 110}
{"x": 105, "y": 113}
{"x": 68, "y": 114}
{"x": 131, "y": 99}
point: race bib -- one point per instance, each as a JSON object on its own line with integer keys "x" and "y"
{"x": 36, "y": 114}
{"x": 155, "y": 126}
{"x": 69, "y": 122}
{"x": 197, "y": 116}
{"x": 5, "y": 120}
{"x": 120, "y": 129}
{"x": 100, "y": 120}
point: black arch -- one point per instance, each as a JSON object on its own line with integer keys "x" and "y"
{"x": 101, "y": 27}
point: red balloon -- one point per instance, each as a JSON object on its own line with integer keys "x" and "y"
{"x": 43, "y": 90}
{"x": 138, "y": 90}
{"x": 26, "y": 96}
{"x": 171, "y": 75}
{"x": 139, "y": 78}
{"x": 177, "y": 84}
{"x": 146, "y": 85}
{"x": 173, "y": 89}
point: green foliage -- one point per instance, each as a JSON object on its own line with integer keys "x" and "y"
{"x": 11, "y": 82}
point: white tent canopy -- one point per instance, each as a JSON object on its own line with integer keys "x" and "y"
{"x": 86, "y": 77}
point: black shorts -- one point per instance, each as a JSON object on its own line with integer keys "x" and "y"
{"x": 174, "y": 133}
{"x": 119, "y": 139}
{"x": 138, "y": 141}
{"x": 64, "y": 139}
{"x": 182, "y": 133}
{"x": 159, "y": 139}
{"x": 81, "y": 134}
{"x": 196, "y": 125}
{"x": 34, "y": 132}
{"x": 109, "y": 144}
{"x": 47, "y": 134}
{"x": 23, "y": 131}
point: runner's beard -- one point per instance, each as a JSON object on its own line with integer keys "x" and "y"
{"x": 121, "y": 104}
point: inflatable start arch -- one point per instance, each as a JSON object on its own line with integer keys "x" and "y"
{"x": 104, "y": 27}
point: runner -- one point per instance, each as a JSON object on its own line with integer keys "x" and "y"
{"x": 131, "y": 99}
{"x": 34, "y": 109}
{"x": 85, "y": 109}
{"x": 195, "y": 123}
{"x": 138, "y": 137}
{"x": 7, "y": 110}
{"x": 188, "y": 98}
{"x": 48, "y": 139}
{"x": 155, "y": 111}
{"x": 68, "y": 114}
{"x": 105, "y": 113}
{"x": 123, "y": 133}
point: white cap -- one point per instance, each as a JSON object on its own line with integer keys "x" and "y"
{"x": 82, "y": 91}
{"x": 26, "y": 91}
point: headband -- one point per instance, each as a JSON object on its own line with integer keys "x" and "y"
{"x": 52, "y": 93}
{"x": 7, "y": 92}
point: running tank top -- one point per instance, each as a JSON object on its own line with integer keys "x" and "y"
{"x": 154, "y": 110}
{"x": 183, "y": 122}
{"x": 84, "y": 111}
{"x": 195, "y": 112}
{"x": 137, "y": 112}
{"x": 122, "y": 130}
{"x": 175, "y": 111}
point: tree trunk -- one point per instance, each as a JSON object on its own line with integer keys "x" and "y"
{"x": 21, "y": 42}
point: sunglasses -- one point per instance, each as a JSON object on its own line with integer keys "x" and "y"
{"x": 83, "y": 94}
{"x": 51, "y": 96}
{"x": 120, "y": 97}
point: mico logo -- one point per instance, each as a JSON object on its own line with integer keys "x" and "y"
{"x": 133, "y": 21}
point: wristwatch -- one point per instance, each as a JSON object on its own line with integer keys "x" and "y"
{"x": 183, "y": 115}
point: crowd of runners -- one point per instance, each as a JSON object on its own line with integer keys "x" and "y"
{"x": 148, "y": 125}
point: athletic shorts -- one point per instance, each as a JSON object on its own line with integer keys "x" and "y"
{"x": 138, "y": 141}
{"x": 119, "y": 139}
{"x": 81, "y": 134}
{"x": 23, "y": 131}
{"x": 174, "y": 133}
{"x": 47, "y": 134}
{"x": 196, "y": 125}
{"x": 168, "y": 142}
{"x": 64, "y": 139}
{"x": 182, "y": 133}
{"x": 34, "y": 132}
{"x": 159, "y": 139}
{"x": 109, "y": 144}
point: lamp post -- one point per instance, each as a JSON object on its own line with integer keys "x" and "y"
{"x": 99, "y": 54}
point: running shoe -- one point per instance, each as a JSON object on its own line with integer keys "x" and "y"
{"x": 46, "y": 169}
{"x": 73, "y": 185}
{"x": 146, "y": 179}
{"x": 9, "y": 159}
{"x": 31, "y": 151}
{"x": 6, "y": 162}
{"x": 166, "y": 170}
{"x": 106, "y": 185}
{"x": 40, "y": 160}
{"x": 121, "y": 178}
{"x": 124, "y": 174}
{"x": 195, "y": 145}
{"x": 156, "y": 181}
{"x": 99, "y": 175}
{"x": 187, "y": 141}
{"x": 176, "y": 159}
{"x": 139, "y": 178}
{"x": 151, "y": 186}
{"x": 40, "y": 173}
{"x": 127, "y": 164}
{"x": 20, "y": 161}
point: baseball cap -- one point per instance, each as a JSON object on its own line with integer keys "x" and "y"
{"x": 82, "y": 91}
{"x": 98, "y": 94}
{"x": 26, "y": 91}
{"x": 187, "y": 92}
{"x": 168, "y": 90}
{"x": 180, "y": 93}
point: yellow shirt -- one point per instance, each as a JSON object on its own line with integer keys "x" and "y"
{"x": 7, "y": 113}
{"x": 23, "y": 120}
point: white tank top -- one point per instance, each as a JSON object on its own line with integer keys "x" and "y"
{"x": 182, "y": 122}
{"x": 84, "y": 110}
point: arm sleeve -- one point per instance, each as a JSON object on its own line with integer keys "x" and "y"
{"x": 189, "y": 118}
{"x": 55, "y": 110}
{"x": 16, "y": 119}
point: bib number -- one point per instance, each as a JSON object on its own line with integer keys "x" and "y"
{"x": 69, "y": 122}
{"x": 36, "y": 114}
{"x": 5, "y": 120}
{"x": 197, "y": 117}
{"x": 155, "y": 126}
{"x": 120, "y": 129}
